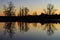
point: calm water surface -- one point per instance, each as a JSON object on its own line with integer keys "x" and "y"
{"x": 29, "y": 31}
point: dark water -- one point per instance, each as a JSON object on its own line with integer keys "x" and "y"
{"x": 29, "y": 31}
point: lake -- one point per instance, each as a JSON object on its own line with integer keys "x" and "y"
{"x": 29, "y": 31}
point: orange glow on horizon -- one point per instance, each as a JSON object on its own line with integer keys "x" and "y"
{"x": 29, "y": 13}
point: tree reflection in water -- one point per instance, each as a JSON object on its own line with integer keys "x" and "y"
{"x": 50, "y": 28}
{"x": 9, "y": 27}
{"x": 23, "y": 26}
{"x": 35, "y": 24}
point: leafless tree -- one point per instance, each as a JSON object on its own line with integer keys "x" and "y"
{"x": 9, "y": 11}
{"x": 23, "y": 11}
{"x": 50, "y": 9}
{"x": 26, "y": 10}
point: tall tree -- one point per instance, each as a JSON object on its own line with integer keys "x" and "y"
{"x": 23, "y": 11}
{"x": 50, "y": 9}
{"x": 26, "y": 10}
{"x": 9, "y": 11}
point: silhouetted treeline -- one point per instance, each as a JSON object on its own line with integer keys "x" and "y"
{"x": 48, "y": 16}
{"x": 55, "y": 16}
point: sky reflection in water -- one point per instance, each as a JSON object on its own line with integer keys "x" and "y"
{"x": 29, "y": 31}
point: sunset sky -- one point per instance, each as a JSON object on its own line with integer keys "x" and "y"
{"x": 32, "y": 5}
